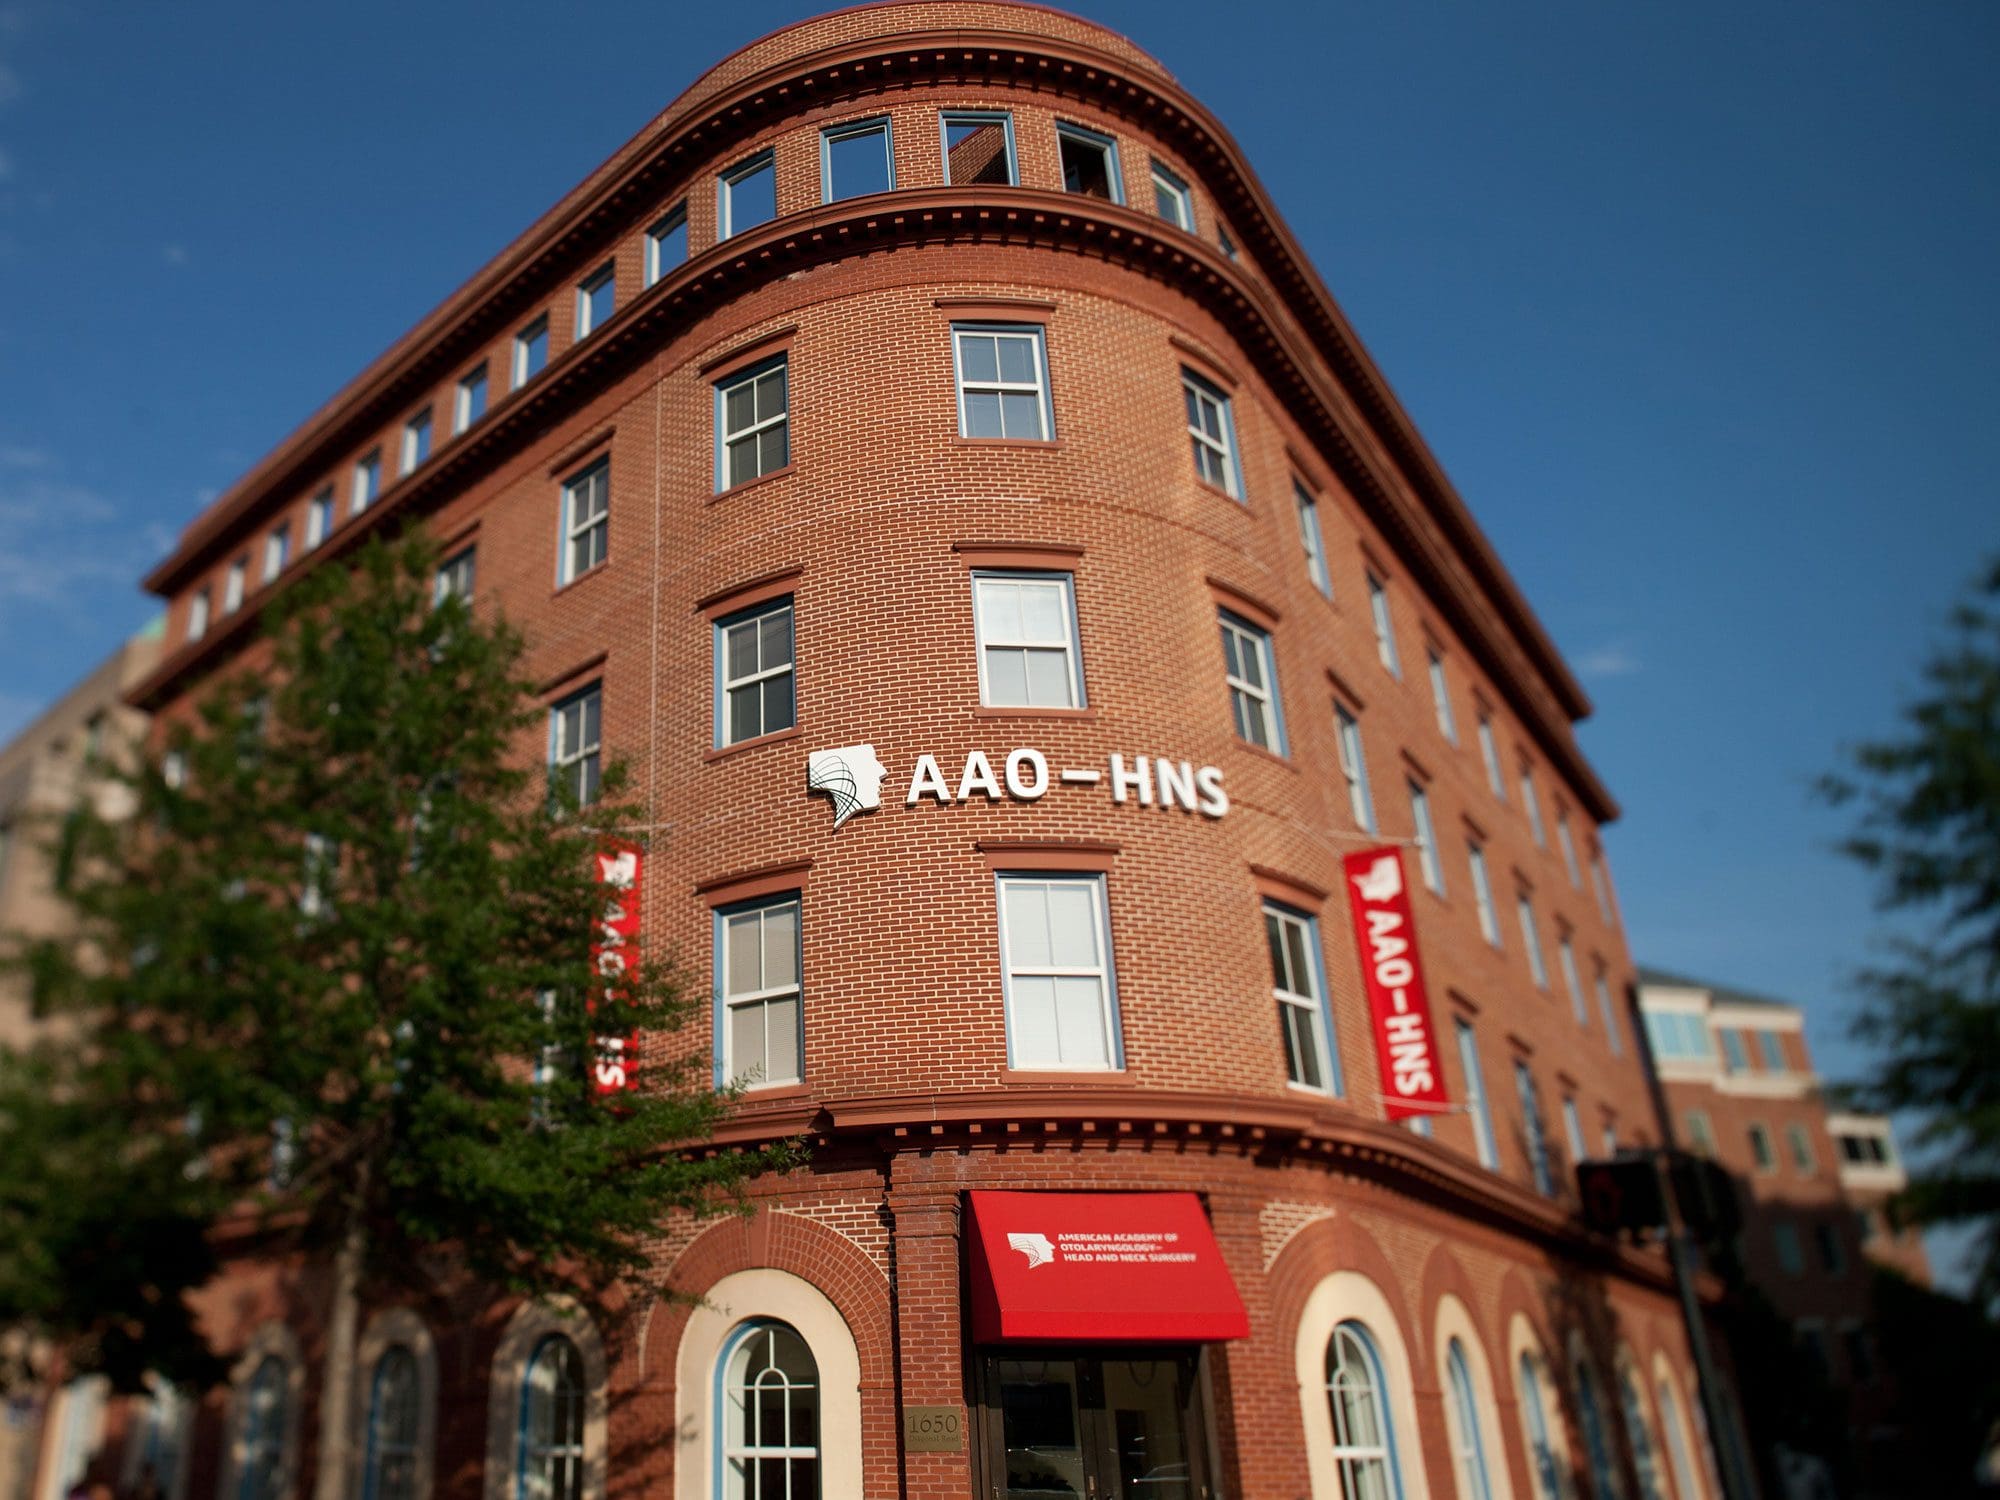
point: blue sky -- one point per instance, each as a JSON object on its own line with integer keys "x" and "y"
{"x": 1697, "y": 305}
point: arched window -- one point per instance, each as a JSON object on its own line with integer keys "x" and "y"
{"x": 1468, "y": 1448}
{"x": 391, "y": 1472}
{"x": 770, "y": 1415}
{"x": 1534, "y": 1414}
{"x": 1677, "y": 1442}
{"x": 265, "y": 1420}
{"x": 1596, "y": 1438}
{"x": 1364, "y": 1444}
{"x": 1644, "y": 1452}
{"x": 552, "y": 1422}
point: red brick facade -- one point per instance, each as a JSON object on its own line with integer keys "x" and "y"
{"x": 873, "y": 529}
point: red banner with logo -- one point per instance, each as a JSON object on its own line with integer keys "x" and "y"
{"x": 614, "y": 952}
{"x": 1385, "y": 935}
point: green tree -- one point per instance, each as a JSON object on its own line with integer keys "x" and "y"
{"x": 1928, "y": 829}
{"x": 338, "y": 970}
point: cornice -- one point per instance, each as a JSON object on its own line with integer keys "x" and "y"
{"x": 1380, "y": 454}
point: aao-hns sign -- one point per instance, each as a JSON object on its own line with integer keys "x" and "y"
{"x": 614, "y": 953}
{"x": 1385, "y": 935}
{"x": 852, "y": 777}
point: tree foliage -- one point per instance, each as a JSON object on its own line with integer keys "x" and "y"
{"x": 1927, "y": 803}
{"x": 336, "y": 974}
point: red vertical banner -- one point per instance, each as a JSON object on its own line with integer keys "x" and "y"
{"x": 1385, "y": 935}
{"x": 614, "y": 952}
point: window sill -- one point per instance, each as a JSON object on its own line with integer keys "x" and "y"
{"x": 734, "y": 490}
{"x": 582, "y": 578}
{"x": 774, "y": 1093}
{"x": 1032, "y": 1077}
{"x": 1085, "y": 715}
{"x": 1271, "y": 755}
{"x": 722, "y": 752}
{"x": 1217, "y": 490}
{"x": 1029, "y": 445}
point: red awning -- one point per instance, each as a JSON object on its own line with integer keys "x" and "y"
{"x": 1098, "y": 1267}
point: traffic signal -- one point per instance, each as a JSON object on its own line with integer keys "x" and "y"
{"x": 1623, "y": 1193}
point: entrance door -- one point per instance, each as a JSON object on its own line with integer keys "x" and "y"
{"x": 1094, "y": 1425}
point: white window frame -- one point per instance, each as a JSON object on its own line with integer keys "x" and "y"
{"x": 592, "y": 532}
{"x": 1002, "y": 118}
{"x": 726, "y": 184}
{"x": 1573, "y": 1128}
{"x": 1354, "y": 766}
{"x": 1385, "y": 625}
{"x": 1170, "y": 186}
{"x": 446, "y": 582}
{"x": 1477, "y": 1106}
{"x": 415, "y": 447}
{"x": 1765, "y": 1161}
{"x": 1531, "y": 938}
{"x": 1302, "y": 1012}
{"x": 849, "y": 130}
{"x": 663, "y": 229}
{"x": 1083, "y": 135}
{"x": 1428, "y": 854}
{"x": 1203, "y": 393}
{"x": 319, "y": 518}
{"x": 725, "y": 474}
{"x": 1489, "y": 752}
{"x": 1533, "y": 807}
{"x": 1036, "y": 337}
{"x": 1264, "y": 705}
{"x": 197, "y": 615}
{"x": 524, "y": 343}
{"x": 233, "y": 584}
{"x": 462, "y": 414}
{"x": 984, "y": 644}
{"x": 366, "y": 483}
{"x": 1572, "y": 979}
{"x": 735, "y": 1455}
{"x": 1482, "y": 892}
{"x": 604, "y": 278}
{"x": 568, "y": 761}
{"x": 1601, "y": 879}
{"x": 1567, "y": 842}
{"x": 1534, "y": 1132}
{"x": 1311, "y": 539}
{"x": 1805, "y": 1160}
{"x": 1609, "y": 1012}
{"x": 753, "y": 617}
{"x": 277, "y": 550}
{"x": 1008, "y": 881}
{"x": 1701, "y": 1132}
{"x": 1441, "y": 696}
{"x": 728, "y": 1000}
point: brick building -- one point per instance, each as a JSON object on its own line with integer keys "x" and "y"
{"x": 926, "y": 457}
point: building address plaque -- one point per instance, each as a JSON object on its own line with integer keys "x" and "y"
{"x": 933, "y": 1429}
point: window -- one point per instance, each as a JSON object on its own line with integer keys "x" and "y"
{"x": 596, "y": 300}
{"x": 1354, "y": 767}
{"x": 1678, "y": 1441}
{"x": 265, "y": 1418}
{"x": 390, "y": 1471}
{"x": 1364, "y": 1447}
{"x": 232, "y": 585}
{"x": 1678, "y": 1036}
{"x": 1253, "y": 697}
{"x": 1171, "y": 198}
{"x": 1534, "y": 1417}
{"x": 746, "y": 195}
{"x": 978, "y": 147}
{"x": 1003, "y": 386}
{"x": 1568, "y": 845}
{"x": 1100, "y": 1422}
{"x": 531, "y": 351}
{"x": 1700, "y": 1133}
{"x": 367, "y": 483}
{"x": 762, "y": 1024}
{"x": 1760, "y": 1147}
{"x": 666, "y": 243}
{"x": 754, "y": 686}
{"x": 319, "y": 518}
{"x": 1773, "y": 1047}
{"x": 1524, "y": 906}
{"x": 1801, "y": 1148}
{"x": 1482, "y": 893}
{"x": 1296, "y": 983}
{"x": 1645, "y": 1459}
{"x": 1475, "y": 1093}
{"x": 197, "y": 615}
{"x": 1441, "y": 699}
{"x": 1812, "y": 1343}
{"x": 1860, "y": 1352}
{"x": 552, "y": 1405}
{"x": 454, "y": 577}
{"x": 1212, "y": 430}
{"x": 1610, "y": 1014}
{"x": 1310, "y": 540}
{"x": 1055, "y": 946}
{"x": 1826, "y": 1240}
{"x": 1468, "y": 1448}
{"x": 1533, "y": 807}
{"x": 854, "y": 159}
{"x": 1427, "y": 850}
{"x": 586, "y": 520}
{"x": 1489, "y": 752}
{"x": 1785, "y": 1240}
{"x": 319, "y": 872}
{"x": 752, "y": 423}
{"x": 770, "y": 1416}
{"x": 1089, "y": 163}
{"x": 1531, "y": 1122}
{"x": 468, "y": 403}
{"x": 277, "y": 551}
{"x": 416, "y": 441}
{"x": 1385, "y": 627}
{"x": 1572, "y": 984}
{"x": 1573, "y": 1129}
{"x": 1596, "y": 1437}
{"x": 1734, "y": 1050}
{"x": 1025, "y": 624}
{"x": 1866, "y": 1150}
{"x": 574, "y": 727}
{"x": 1602, "y": 883}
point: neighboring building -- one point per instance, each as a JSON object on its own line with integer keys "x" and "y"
{"x": 1812, "y": 1183}
{"x": 44, "y": 776}
{"x": 927, "y": 457}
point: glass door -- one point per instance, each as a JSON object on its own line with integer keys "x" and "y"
{"x": 1091, "y": 1425}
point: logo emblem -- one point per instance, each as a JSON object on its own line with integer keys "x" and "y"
{"x": 1035, "y": 1246}
{"x": 1383, "y": 880}
{"x": 620, "y": 870}
{"x": 851, "y": 777}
